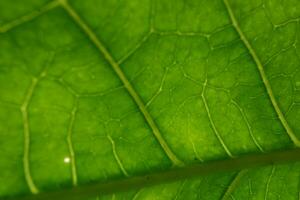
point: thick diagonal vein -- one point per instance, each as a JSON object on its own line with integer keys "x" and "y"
{"x": 263, "y": 75}
{"x": 92, "y": 36}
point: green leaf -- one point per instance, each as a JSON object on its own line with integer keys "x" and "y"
{"x": 99, "y": 97}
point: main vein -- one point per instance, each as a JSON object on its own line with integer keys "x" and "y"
{"x": 92, "y": 36}
{"x": 136, "y": 182}
{"x": 263, "y": 75}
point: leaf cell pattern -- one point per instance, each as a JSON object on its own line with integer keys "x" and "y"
{"x": 97, "y": 90}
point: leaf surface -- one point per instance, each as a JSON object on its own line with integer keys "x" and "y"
{"x": 96, "y": 91}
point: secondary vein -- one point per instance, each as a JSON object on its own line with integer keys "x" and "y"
{"x": 248, "y": 125}
{"x": 116, "y": 156}
{"x": 24, "y": 111}
{"x": 263, "y": 75}
{"x": 70, "y": 143}
{"x": 233, "y": 184}
{"x": 28, "y": 17}
{"x": 26, "y": 163}
{"x": 215, "y": 130}
{"x": 92, "y": 36}
{"x": 268, "y": 182}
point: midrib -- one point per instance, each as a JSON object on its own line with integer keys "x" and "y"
{"x": 192, "y": 171}
{"x": 263, "y": 75}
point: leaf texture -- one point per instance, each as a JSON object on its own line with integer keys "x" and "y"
{"x": 95, "y": 91}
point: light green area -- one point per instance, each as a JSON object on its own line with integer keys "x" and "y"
{"x": 96, "y": 90}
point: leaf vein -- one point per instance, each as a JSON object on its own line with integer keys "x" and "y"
{"x": 136, "y": 182}
{"x": 24, "y": 110}
{"x": 263, "y": 75}
{"x": 215, "y": 130}
{"x": 70, "y": 144}
{"x": 113, "y": 145}
{"x": 248, "y": 125}
{"x": 92, "y": 36}
{"x": 233, "y": 184}
{"x": 268, "y": 182}
{"x": 28, "y": 17}
{"x": 134, "y": 49}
